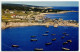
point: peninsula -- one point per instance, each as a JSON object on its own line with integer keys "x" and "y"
{"x": 13, "y": 16}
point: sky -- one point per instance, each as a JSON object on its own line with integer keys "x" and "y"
{"x": 47, "y": 3}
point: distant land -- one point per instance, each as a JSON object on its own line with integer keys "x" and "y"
{"x": 27, "y": 7}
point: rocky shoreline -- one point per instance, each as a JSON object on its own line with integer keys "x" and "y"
{"x": 20, "y": 24}
{"x": 5, "y": 25}
{"x": 59, "y": 12}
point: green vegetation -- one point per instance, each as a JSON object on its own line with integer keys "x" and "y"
{"x": 20, "y": 7}
{"x": 23, "y": 13}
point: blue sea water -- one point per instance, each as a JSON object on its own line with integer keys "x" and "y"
{"x": 21, "y": 36}
{"x": 67, "y": 8}
{"x": 65, "y": 16}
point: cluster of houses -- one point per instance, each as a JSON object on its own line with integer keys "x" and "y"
{"x": 37, "y": 18}
{"x": 12, "y": 12}
{"x": 18, "y": 16}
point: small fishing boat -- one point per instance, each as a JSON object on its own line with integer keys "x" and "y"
{"x": 47, "y": 31}
{"x": 48, "y": 43}
{"x": 64, "y": 33}
{"x": 69, "y": 41}
{"x": 66, "y": 49}
{"x": 15, "y": 45}
{"x": 63, "y": 37}
{"x": 33, "y": 39}
{"x": 54, "y": 39}
{"x": 38, "y": 49}
{"x": 53, "y": 34}
{"x": 33, "y": 36}
{"x": 65, "y": 43}
{"x": 45, "y": 34}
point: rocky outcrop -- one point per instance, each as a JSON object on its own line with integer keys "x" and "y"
{"x": 19, "y": 24}
{"x": 3, "y": 25}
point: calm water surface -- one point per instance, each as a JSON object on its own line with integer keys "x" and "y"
{"x": 64, "y": 16}
{"x": 67, "y": 8}
{"x": 21, "y": 36}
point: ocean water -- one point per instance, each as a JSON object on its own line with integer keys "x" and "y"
{"x": 65, "y": 16}
{"x": 21, "y": 36}
{"x": 67, "y": 8}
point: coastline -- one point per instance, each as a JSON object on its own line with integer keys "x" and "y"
{"x": 59, "y": 12}
{"x": 19, "y": 24}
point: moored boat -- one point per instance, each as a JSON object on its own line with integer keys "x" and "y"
{"x": 15, "y": 45}
{"x": 48, "y": 43}
{"x": 33, "y": 36}
{"x": 66, "y": 49}
{"x": 69, "y": 41}
{"x": 64, "y": 33}
{"x": 47, "y": 31}
{"x": 54, "y": 39}
{"x": 45, "y": 34}
{"x": 65, "y": 43}
{"x": 38, "y": 49}
{"x": 63, "y": 37}
{"x": 33, "y": 39}
{"x": 53, "y": 34}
